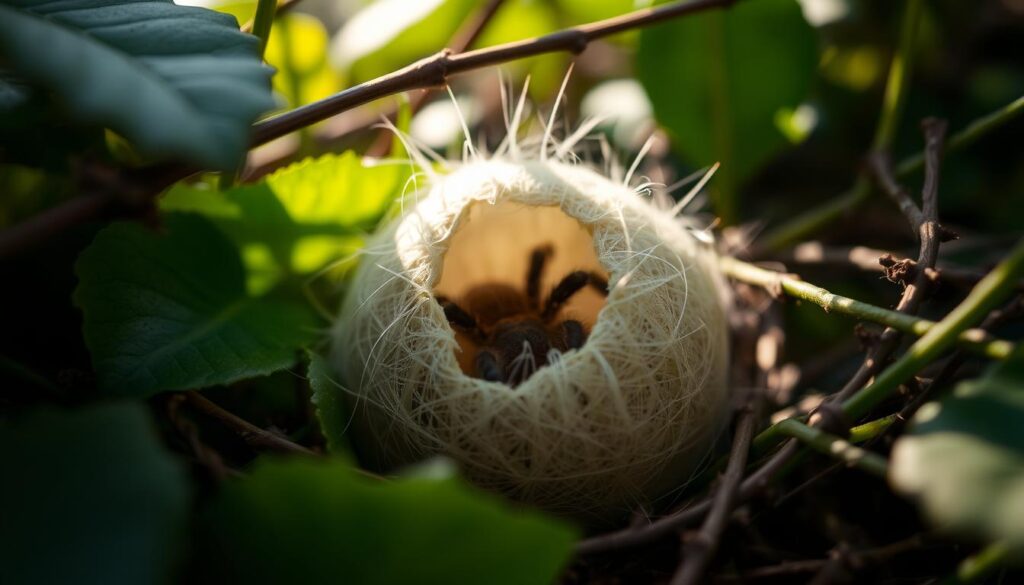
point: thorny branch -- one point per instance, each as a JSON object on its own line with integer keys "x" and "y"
{"x": 925, "y": 223}
{"x": 974, "y": 339}
{"x": 929, "y": 233}
{"x": 809, "y": 222}
{"x": 895, "y": 266}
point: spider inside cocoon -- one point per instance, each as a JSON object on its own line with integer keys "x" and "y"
{"x": 615, "y": 424}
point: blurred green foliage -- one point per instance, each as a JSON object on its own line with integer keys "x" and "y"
{"x": 730, "y": 79}
{"x": 343, "y": 527}
{"x": 964, "y": 457}
{"x": 90, "y": 496}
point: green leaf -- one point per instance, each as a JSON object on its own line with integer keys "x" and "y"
{"x": 89, "y": 497}
{"x": 390, "y": 34}
{"x": 300, "y": 218}
{"x": 298, "y": 51}
{"x": 576, "y": 12}
{"x": 174, "y": 80}
{"x": 964, "y": 459}
{"x": 170, "y": 312}
{"x": 717, "y": 81}
{"x": 331, "y": 410}
{"x": 524, "y": 19}
{"x": 318, "y": 522}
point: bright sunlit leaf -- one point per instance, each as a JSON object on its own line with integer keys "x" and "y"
{"x": 298, "y": 51}
{"x": 300, "y": 218}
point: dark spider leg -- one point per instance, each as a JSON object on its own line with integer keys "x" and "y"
{"x": 572, "y": 334}
{"x": 459, "y": 317}
{"x": 487, "y": 367}
{"x": 538, "y": 258}
{"x": 570, "y": 285}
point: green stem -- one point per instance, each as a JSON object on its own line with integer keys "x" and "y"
{"x": 899, "y": 75}
{"x": 968, "y": 136}
{"x": 985, "y": 296}
{"x": 724, "y": 193}
{"x": 872, "y": 429}
{"x": 817, "y": 218}
{"x": 263, "y": 22}
{"x": 975, "y": 340}
{"x": 975, "y": 568}
{"x": 17, "y": 370}
{"x": 834, "y": 447}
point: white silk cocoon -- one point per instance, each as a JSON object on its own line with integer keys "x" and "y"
{"x": 599, "y": 431}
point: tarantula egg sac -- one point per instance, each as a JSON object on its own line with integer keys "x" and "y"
{"x": 548, "y": 329}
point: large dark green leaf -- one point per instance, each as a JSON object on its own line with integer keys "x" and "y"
{"x": 89, "y": 497}
{"x": 168, "y": 312}
{"x": 964, "y": 459}
{"x": 319, "y": 522}
{"x": 174, "y": 80}
{"x": 719, "y": 80}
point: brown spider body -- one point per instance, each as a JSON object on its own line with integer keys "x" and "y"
{"x": 514, "y": 331}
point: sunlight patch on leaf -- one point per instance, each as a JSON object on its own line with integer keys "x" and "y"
{"x": 298, "y": 51}
{"x": 301, "y": 218}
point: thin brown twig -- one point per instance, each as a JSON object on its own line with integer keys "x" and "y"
{"x": 208, "y": 458}
{"x": 834, "y": 570}
{"x": 638, "y": 536}
{"x": 464, "y": 37}
{"x": 925, "y": 221}
{"x": 700, "y": 550}
{"x": 880, "y": 166}
{"x": 856, "y": 558}
{"x": 894, "y": 265}
{"x": 253, "y": 435}
{"x": 772, "y": 571}
{"x": 433, "y": 71}
{"x": 256, "y": 437}
{"x": 430, "y": 72}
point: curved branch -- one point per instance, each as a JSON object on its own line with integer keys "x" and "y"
{"x": 429, "y": 72}
{"x": 434, "y": 70}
